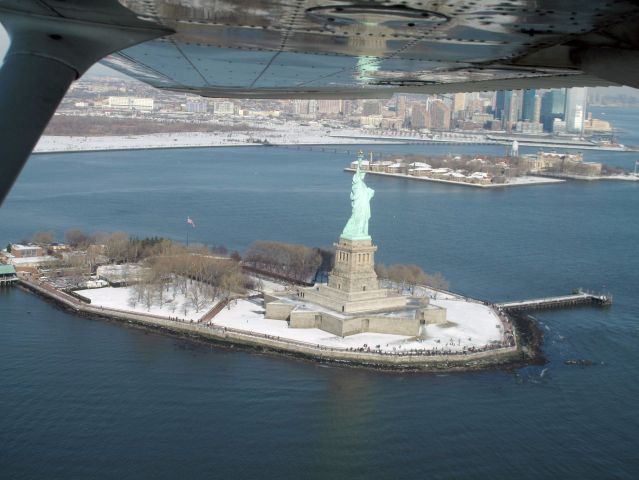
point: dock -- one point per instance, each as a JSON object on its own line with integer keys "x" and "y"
{"x": 563, "y": 301}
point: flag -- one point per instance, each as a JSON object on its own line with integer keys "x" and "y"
{"x": 190, "y": 221}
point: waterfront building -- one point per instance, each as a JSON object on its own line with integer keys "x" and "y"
{"x": 129, "y": 103}
{"x": 595, "y": 125}
{"x": 23, "y": 251}
{"x": 196, "y": 105}
{"x": 7, "y": 274}
{"x": 531, "y": 128}
{"x": 223, "y": 108}
{"x": 558, "y": 126}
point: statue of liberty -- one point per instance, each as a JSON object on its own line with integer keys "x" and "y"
{"x": 357, "y": 226}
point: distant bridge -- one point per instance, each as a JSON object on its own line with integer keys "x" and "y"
{"x": 564, "y": 301}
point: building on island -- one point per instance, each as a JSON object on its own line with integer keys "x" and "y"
{"x": 23, "y": 251}
{"x": 353, "y": 301}
{"x": 7, "y": 274}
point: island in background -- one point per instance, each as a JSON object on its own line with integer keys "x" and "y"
{"x": 495, "y": 171}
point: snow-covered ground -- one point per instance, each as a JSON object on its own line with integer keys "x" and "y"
{"x": 280, "y": 134}
{"x": 470, "y": 324}
{"x": 532, "y": 180}
{"x": 269, "y": 285}
{"x": 120, "y": 299}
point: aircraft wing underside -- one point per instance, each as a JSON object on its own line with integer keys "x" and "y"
{"x": 312, "y": 48}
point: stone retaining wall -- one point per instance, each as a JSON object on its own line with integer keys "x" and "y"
{"x": 399, "y": 361}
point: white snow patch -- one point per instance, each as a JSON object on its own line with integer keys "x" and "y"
{"x": 119, "y": 299}
{"x": 470, "y": 324}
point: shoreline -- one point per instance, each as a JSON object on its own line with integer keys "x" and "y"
{"x": 536, "y": 181}
{"x": 68, "y": 144}
{"x": 277, "y": 137}
{"x": 526, "y": 351}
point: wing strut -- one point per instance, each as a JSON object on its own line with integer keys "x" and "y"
{"x": 46, "y": 55}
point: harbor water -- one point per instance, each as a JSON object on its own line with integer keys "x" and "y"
{"x": 84, "y": 398}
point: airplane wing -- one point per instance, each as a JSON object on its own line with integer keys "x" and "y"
{"x": 311, "y": 48}
{"x": 305, "y": 48}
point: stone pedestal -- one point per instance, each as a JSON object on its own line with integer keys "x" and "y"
{"x": 352, "y": 284}
{"x": 354, "y": 269}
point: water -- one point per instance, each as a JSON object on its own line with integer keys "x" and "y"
{"x": 84, "y": 398}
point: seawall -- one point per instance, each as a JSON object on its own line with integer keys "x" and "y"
{"x": 505, "y": 357}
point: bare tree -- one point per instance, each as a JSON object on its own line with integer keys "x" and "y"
{"x": 76, "y": 237}
{"x": 117, "y": 247}
{"x": 198, "y": 296}
{"x": 409, "y": 276}
{"x": 43, "y": 238}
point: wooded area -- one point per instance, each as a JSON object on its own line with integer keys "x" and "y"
{"x": 407, "y": 277}
{"x": 297, "y": 262}
{"x": 94, "y": 126}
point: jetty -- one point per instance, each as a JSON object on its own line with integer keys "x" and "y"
{"x": 564, "y": 301}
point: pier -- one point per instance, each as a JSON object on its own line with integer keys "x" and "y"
{"x": 564, "y": 301}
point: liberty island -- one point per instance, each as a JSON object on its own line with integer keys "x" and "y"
{"x": 353, "y": 318}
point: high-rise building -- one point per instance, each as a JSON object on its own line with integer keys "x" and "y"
{"x": 502, "y": 103}
{"x": 300, "y": 107}
{"x": 511, "y": 114}
{"x": 419, "y": 117}
{"x": 459, "y": 102}
{"x": 575, "y": 109}
{"x": 349, "y": 106}
{"x": 400, "y": 107}
{"x": 507, "y": 108}
{"x": 528, "y": 106}
{"x": 552, "y": 106}
{"x": 537, "y": 114}
{"x": 329, "y": 107}
{"x": 439, "y": 115}
{"x": 372, "y": 107}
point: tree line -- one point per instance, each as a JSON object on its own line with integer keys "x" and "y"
{"x": 77, "y": 125}
{"x": 297, "y": 262}
{"x": 200, "y": 278}
{"x": 406, "y": 277}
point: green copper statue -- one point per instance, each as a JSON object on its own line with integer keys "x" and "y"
{"x": 357, "y": 226}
